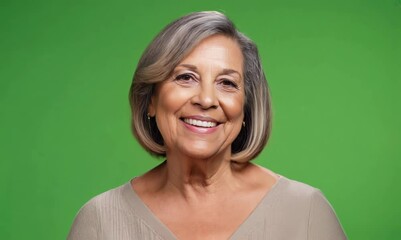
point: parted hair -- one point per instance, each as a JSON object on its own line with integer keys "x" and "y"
{"x": 168, "y": 49}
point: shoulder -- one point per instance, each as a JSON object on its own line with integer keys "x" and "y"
{"x": 308, "y": 205}
{"x": 295, "y": 188}
{"x": 300, "y": 195}
{"x": 104, "y": 200}
{"x": 91, "y": 216}
{"x": 293, "y": 197}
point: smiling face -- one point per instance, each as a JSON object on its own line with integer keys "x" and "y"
{"x": 199, "y": 109}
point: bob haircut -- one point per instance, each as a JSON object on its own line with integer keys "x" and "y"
{"x": 168, "y": 49}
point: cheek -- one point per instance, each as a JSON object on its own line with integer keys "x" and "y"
{"x": 171, "y": 99}
{"x": 168, "y": 104}
{"x": 234, "y": 107}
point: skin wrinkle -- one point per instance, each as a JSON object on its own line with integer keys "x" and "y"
{"x": 207, "y": 188}
{"x": 156, "y": 65}
{"x": 215, "y": 159}
{"x": 200, "y": 182}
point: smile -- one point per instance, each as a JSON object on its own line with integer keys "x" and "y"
{"x": 200, "y": 123}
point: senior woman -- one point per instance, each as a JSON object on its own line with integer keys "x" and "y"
{"x": 199, "y": 99}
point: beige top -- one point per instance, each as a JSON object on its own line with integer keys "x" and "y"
{"x": 290, "y": 210}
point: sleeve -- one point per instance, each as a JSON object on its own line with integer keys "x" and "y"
{"x": 85, "y": 225}
{"x": 323, "y": 222}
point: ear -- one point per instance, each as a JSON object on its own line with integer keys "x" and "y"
{"x": 151, "y": 107}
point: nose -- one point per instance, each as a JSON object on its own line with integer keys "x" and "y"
{"x": 205, "y": 96}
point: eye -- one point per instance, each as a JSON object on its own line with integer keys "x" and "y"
{"x": 185, "y": 79}
{"x": 226, "y": 83}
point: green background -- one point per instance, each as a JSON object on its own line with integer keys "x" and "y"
{"x": 334, "y": 68}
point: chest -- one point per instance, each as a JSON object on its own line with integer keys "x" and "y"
{"x": 199, "y": 217}
{"x": 218, "y": 222}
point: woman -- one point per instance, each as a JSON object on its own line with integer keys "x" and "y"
{"x": 199, "y": 98}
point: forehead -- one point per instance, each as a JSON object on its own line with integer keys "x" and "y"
{"x": 217, "y": 51}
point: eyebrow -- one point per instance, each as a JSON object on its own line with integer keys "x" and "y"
{"x": 226, "y": 71}
{"x": 189, "y": 66}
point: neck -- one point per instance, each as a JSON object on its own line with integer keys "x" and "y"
{"x": 199, "y": 177}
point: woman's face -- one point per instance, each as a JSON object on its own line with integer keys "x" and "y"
{"x": 199, "y": 109}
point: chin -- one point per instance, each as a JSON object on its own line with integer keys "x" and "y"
{"x": 200, "y": 152}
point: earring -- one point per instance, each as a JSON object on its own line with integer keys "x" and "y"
{"x": 148, "y": 116}
{"x": 243, "y": 123}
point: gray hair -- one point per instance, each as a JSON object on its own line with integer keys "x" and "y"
{"x": 168, "y": 49}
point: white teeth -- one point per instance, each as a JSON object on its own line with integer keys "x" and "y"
{"x": 199, "y": 123}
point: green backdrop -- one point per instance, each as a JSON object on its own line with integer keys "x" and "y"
{"x": 334, "y": 68}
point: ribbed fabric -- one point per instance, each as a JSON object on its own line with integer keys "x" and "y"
{"x": 290, "y": 210}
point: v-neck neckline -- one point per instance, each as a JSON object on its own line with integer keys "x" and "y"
{"x": 140, "y": 209}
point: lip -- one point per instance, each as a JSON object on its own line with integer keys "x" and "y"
{"x": 201, "y": 118}
{"x": 200, "y": 130}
